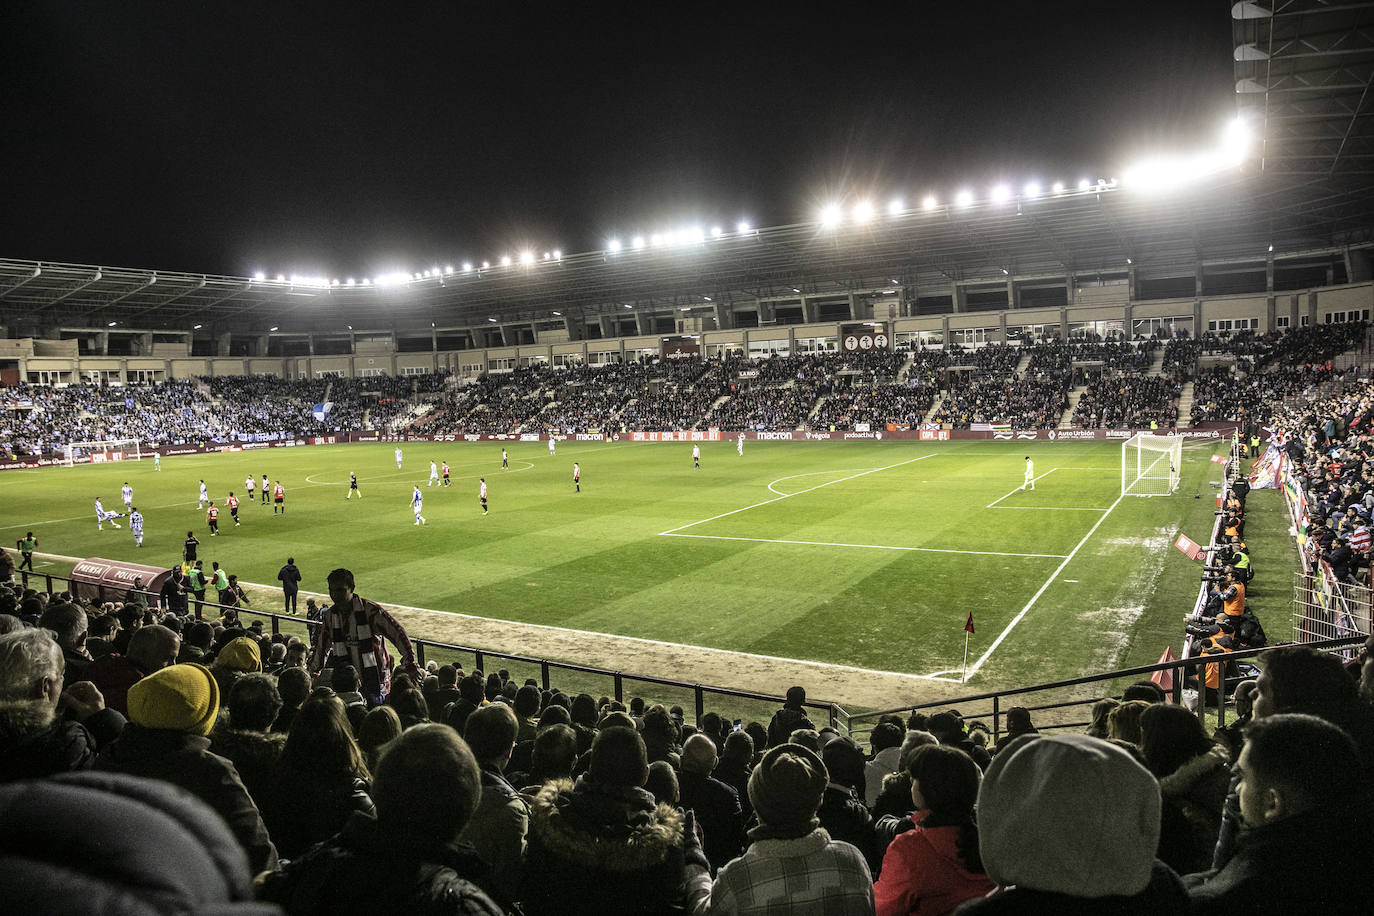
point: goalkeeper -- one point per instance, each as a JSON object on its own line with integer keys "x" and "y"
{"x": 1030, "y": 475}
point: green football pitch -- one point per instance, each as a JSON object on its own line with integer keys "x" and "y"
{"x": 863, "y": 554}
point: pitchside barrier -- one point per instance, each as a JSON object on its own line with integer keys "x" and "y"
{"x": 1060, "y": 699}
{"x": 146, "y": 450}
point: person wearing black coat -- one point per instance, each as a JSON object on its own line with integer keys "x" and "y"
{"x": 715, "y": 804}
{"x": 791, "y": 717}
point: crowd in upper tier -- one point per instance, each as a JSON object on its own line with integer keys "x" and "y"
{"x": 1235, "y": 379}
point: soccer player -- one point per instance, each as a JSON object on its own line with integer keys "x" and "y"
{"x": 26, "y": 544}
{"x": 212, "y": 519}
{"x": 1030, "y": 475}
{"x": 279, "y": 498}
{"x": 417, "y": 501}
{"x": 551, "y": 445}
{"x": 101, "y": 517}
{"x": 353, "y": 486}
{"x": 482, "y": 494}
{"x": 696, "y": 456}
{"x": 264, "y": 489}
{"x": 577, "y": 476}
{"x": 157, "y": 461}
{"x": 233, "y": 503}
{"x": 433, "y": 473}
{"x": 136, "y": 526}
{"x": 398, "y": 459}
{"x": 127, "y": 492}
{"x": 203, "y": 498}
{"x": 249, "y": 485}
{"x": 739, "y": 445}
{"x": 188, "y": 548}
{"x": 447, "y": 482}
{"x": 505, "y": 461}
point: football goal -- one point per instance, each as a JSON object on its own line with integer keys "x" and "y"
{"x": 1150, "y": 464}
{"x": 103, "y": 451}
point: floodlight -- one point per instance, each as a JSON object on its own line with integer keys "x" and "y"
{"x": 743, "y": 227}
{"x": 527, "y": 258}
{"x": 1084, "y": 184}
{"x": 795, "y": 290}
{"x": 1001, "y": 194}
{"x": 863, "y": 211}
{"x": 1129, "y": 261}
{"x": 334, "y": 282}
{"x": 698, "y": 234}
{"x": 486, "y": 265}
{"x": 831, "y": 215}
{"x": 467, "y": 267}
{"x": 1032, "y": 189}
{"x": 350, "y": 327}
{"x": 1005, "y": 272}
{"x": 627, "y": 305}
{"x": 613, "y": 246}
{"x": 196, "y": 327}
{"x": 637, "y": 242}
{"x": 546, "y": 256}
{"x": 1235, "y": 141}
{"x": 426, "y": 274}
{"x": 505, "y": 260}
{"x": 281, "y": 279}
{"x": 1058, "y": 187}
{"x": 1271, "y": 249}
{"x": 273, "y": 328}
{"x": 492, "y": 320}
{"x": 963, "y": 199}
{"x": 559, "y": 314}
{"x": 557, "y": 255}
{"x": 930, "y": 203}
{"x": 110, "y": 325}
{"x": 367, "y": 281}
{"x": 656, "y": 239}
{"x": 448, "y": 270}
{"x": 717, "y": 232}
{"x": 896, "y": 206}
{"x": 684, "y": 308}
{"x": 708, "y": 298}
{"x": 259, "y": 276}
{"x": 419, "y": 276}
{"x": 350, "y": 282}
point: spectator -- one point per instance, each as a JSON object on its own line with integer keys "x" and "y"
{"x": 1101, "y": 716}
{"x": 1051, "y": 852}
{"x": 602, "y": 844}
{"x": 239, "y": 656}
{"x": 118, "y": 858}
{"x": 935, "y": 866}
{"x": 320, "y": 780}
{"x": 379, "y": 728}
{"x": 553, "y": 756}
{"x": 1193, "y": 773}
{"x": 151, "y": 648}
{"x": 498, "y": 827}
{"x": 792, "y": 865}
{"x": 886, "y": 741}
{"x": 736, "y": 763}
{"x": 294, "y": 686}
{"x": 170, "y": 714}
{"x": 407, "y": 858}
{"x": 1308, "y": 831}
{"x": 948, "y": 727}
{"x": 715, "y": 805}
{"x": 34, "y": 740}
{"x": 789, "y": 718}
{"x": 352, "y": 633}
{"x": 68, "y": 623}
{"x": 1123, "y": 723}
{"x": 244, "y": 738}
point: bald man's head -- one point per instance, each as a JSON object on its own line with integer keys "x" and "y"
{"x": 699, "y": 755}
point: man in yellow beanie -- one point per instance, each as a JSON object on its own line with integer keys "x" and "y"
{"x": 171, "y": 713}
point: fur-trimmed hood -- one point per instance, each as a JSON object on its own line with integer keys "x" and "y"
{"x": 606, "y": 828}
{"x": 1212, "y": 767}
{"x": 20, "y": 718}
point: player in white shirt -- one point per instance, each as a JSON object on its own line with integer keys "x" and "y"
{"x": 398, "y": 459}
{"x": 249, "y": 485}
{"x": 1030, "y": 475}
{"x": 157, "y": 461}
{"x": 101, "y": 517}
{"x": 577, "y": 476}
{"x": 505, "y": 461}
{"x": 417, "y": 501}
{"x": 203, "y": 498}
{"x": 127, "y": 492}
{"x": 739, "y": 445}
{"x": 482, "y": 495}
{"x": 264, "y": 489}
{"x": 136, "y": 526}
{"x": 433, "y": 473}
{"x": 696, "y": 456}
{"x": 551, "y": 446}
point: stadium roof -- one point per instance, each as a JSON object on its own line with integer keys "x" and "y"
{"x": 1304, "y": 71}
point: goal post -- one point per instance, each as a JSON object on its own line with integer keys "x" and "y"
{"x": 102, "y": 451}
{"x": 1150, "y": 464}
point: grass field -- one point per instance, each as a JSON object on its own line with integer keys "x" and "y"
{"x": 861, "y": 554}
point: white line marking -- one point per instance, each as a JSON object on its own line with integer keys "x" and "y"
{"x": 814, "y": 474}
{"x": 973, "y": 669}
{"x": 798, "y": 493}
{"x": 1019, "y": 489}
{"x": 1049, "y": 508}
{"x": 981, "y": 553}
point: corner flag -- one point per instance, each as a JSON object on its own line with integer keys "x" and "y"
{"x": 968, "y": 627}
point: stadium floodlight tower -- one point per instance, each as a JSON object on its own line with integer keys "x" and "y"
{"x": 99, "y": 452}
{"x": 1150, "y": 464}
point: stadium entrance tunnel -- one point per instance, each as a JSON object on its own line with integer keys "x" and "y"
{"x": 111, "y": 580}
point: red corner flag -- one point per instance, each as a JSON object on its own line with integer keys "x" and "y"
{"x": 968, "y": 627}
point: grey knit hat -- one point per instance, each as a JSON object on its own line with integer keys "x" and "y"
{"x": 786, "y": 789}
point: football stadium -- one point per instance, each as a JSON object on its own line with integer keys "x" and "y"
{"x": 705, "y": 561}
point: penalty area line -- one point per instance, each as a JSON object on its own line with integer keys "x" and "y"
{"x": 973, "y": 669}
{"x": 980, "y": 553}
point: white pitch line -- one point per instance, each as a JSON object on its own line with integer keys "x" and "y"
{"x": 981, "y": 553}
{"x": 798, "y": 493}
{"x": 813, "y": 474}
{"x": 973, "y": 669}
{"x": 1018, "y": 489}
{"x": 1050, "y": 508}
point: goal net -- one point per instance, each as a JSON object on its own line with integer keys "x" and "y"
{"x": 103, "y": 451}
{"x": 1150, "y": 464}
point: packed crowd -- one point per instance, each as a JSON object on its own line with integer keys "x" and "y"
{"x": 1023, "y": 403}
{"x": 164, "y": 761}
{"x": 43, "y": 420}
{"x": 1118, "y": 401}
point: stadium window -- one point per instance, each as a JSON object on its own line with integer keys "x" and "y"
{"x": 1282, "y": 321}
{"x": 1305, "y": 321}
{"x": 415, "y": 370}
{"x": 371, "y": 373}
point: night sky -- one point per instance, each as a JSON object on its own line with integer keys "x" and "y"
{"x": 347, "y": 138}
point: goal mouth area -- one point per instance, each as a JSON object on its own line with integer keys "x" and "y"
{"x": 102, "y": 451}
{"x": 1151, "y": 464}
